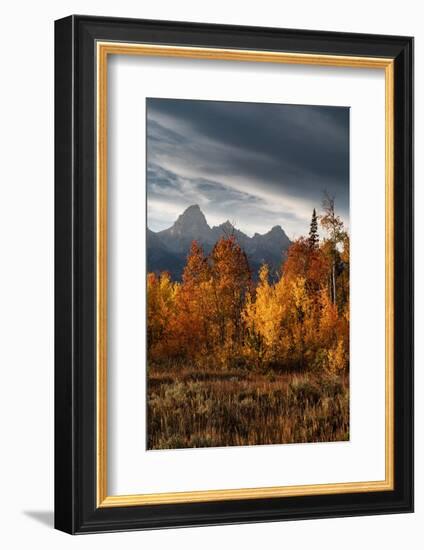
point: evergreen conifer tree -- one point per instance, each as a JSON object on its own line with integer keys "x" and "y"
{"x": 313, "y": 231}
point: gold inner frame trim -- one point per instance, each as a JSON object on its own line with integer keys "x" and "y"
{"x": 103, "y": 50}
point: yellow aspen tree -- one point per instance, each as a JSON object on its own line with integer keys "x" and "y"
{"x": 231, "y": 282}
{"x": 263, "y": 320}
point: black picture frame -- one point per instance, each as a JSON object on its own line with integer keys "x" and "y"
{"x": 76, "y": 510}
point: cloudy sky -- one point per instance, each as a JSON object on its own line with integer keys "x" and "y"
{"x": 257, "y": 165}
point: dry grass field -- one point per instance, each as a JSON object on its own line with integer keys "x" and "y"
{"x": 188, "y": 408}
{"x": 234, "y": 360}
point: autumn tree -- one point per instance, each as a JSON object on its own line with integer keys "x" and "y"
{"x": 196, "y": 270}
{"x": 161, "y": 298}
{"x": 262, "y": 315}
{"x": 231, "y": 281}
{"x": 217, "y": 316}
{"x": 193, "y": 305}
{"x": 344, "y": 270}
{"x": 333, "y": 225}
{"x": 307, "y": 262}
{"x": 297, "y": 259}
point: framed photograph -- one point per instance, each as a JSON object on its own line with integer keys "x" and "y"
{"x": 234, "y": 274}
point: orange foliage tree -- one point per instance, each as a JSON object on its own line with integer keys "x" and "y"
{"x": 191, "y": 335}
{"x": 161, "y": 297}
{"x": 231, "y": 281}
{"x": 218, "y": 317}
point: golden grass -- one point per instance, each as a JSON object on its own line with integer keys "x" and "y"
{"x": 189, "y": 408}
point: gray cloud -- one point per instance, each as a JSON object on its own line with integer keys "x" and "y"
{"x": 255, "y": 164}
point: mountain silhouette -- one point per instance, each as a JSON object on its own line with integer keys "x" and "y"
{"x": 167, "y": 250}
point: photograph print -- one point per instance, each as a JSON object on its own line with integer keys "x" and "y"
{"x": 247, "y": 274}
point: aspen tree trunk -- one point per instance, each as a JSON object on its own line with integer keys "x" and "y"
{"x": 334, "y": 283}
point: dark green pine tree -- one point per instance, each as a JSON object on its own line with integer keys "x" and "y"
{"x": 313, "y": 232}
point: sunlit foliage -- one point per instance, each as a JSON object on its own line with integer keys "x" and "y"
{"x": 218, "y": 317}
{"x": 236, "y": 358}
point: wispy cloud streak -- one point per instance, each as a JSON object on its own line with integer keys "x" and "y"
{"x": 257, "y": 165}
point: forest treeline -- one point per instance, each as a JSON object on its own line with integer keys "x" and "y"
{"x": 219, "y": 317}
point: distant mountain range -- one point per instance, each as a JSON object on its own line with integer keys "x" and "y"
{"x": 167, "y": 250}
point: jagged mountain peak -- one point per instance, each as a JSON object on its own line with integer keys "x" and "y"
{"x": 277, "y": 232}
{"x": 227, "y": 226}
{"x": 192, "y": 214}
{"x": 192, "y": 225}
{"x": 276, "y": 237}
{"x": 192, "y": 209}
{"x": 276, "y": 229}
